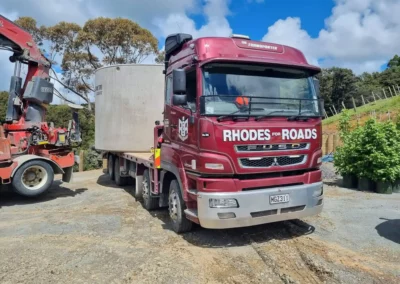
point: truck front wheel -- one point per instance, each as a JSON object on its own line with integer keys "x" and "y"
{"x": 176, "y": 207}
{"x": 33, "y": 178}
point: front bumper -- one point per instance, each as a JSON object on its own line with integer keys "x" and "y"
{"x": 255, "y": 208}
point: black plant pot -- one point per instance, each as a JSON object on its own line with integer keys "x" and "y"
{"x": 366, "y": 184}
{"x": 396, "y": 186}
{"x": 384, "y": 187}
{"x": 350, "y": 181}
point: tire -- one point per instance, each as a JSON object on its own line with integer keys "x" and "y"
{"x": 110, "y": 167}
{"x": 149, "y": 202}
{"x": 176, "y": 208}
{"x": 120, "y": 181}
{"x": 33, "y": 178}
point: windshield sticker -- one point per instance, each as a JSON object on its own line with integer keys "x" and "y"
{"x": 265, "y": 134}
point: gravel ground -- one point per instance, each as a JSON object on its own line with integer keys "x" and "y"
{"x": 91, "y": 231}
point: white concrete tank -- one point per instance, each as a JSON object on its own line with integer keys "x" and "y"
{"x": 129, "y": 99}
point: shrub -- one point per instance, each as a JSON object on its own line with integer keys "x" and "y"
{"x": 371, "y": 151}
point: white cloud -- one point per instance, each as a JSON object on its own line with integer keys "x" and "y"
{"x": 360, "y": 34}
{"x": 215, "y": 12}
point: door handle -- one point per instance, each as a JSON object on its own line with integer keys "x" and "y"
{"x": 173, "y": 125}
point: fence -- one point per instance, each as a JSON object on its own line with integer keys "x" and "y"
{"x": 374, "y": 97}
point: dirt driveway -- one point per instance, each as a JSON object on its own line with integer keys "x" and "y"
{"x": 93, "y": 232}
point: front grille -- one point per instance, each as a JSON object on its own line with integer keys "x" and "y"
{"x": 267, "y": 162}
{"x": 271, "y": 147}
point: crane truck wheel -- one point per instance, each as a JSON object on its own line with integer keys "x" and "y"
{"x": 148, "y": 202}
{"x": 176, "y": 208}
{"x": 110, "y": 166}
{"x": 33, "y": 178}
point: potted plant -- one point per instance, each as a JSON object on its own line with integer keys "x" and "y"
{"x": 345, "y": 157}
{"x": 385, "y": 158}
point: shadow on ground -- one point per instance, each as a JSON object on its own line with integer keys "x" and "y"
{"x": 226, "y": 237}
{"x": 9, "y": 198}
{"x": 390, "y": 229}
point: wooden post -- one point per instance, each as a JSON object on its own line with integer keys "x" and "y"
{"x": 333, "y": 113}
{"x": 81, "y": 161}
{"x": 363, "y": 99}
{"x": 326, "y": 115}
{"x": 394, "y": 90}
{"x": 334, "y": 109}
{"x": 391, "y": 94}
{"x": 335, "y": 141}
{"x": 384, "y": 93}
{"x": 354, "y": 104}
{"x": 325, "y": 144}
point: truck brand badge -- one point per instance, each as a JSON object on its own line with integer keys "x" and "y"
{"x": 275, "y": 163}
{"x": 183, "y": 128}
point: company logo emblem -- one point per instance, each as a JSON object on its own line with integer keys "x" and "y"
{"x": 275, "y": 163}
{"x": 183, "y": 128}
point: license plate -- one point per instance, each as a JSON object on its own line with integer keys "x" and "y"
{"x": 282, "y": 198}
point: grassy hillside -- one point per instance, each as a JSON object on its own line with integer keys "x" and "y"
{"x": 380, "y": 107}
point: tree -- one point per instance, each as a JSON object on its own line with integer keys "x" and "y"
{"x": 82, "y": 50}
{"x": 394, "y": 62}
{"x": 160, "y": 57}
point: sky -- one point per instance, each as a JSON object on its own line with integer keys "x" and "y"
{"x": 358, "y": 34}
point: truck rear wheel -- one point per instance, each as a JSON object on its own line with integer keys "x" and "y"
{"x": 176, "y": 207}
{"x": 33, "y": 178}
{"x": 120, "y": 181}
{"x": 110, "y": 166}
{"x": 149, "y": 202}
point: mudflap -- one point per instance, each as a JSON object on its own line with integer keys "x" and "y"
{"x": 67, "y": 176}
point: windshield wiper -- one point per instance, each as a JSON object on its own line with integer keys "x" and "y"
{"x": 300, "y": 116}
{"x": 269, "y": 114}
{"x": 234, "y": 117}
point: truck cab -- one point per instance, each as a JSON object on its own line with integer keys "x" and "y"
{"x": 241, "y": 132}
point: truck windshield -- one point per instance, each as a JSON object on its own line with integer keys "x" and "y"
{"x": 258, "y": 90}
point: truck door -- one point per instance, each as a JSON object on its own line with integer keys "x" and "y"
{"x": 182, "y": 130}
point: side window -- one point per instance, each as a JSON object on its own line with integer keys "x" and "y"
{"x": 191, "y": 89}
{"x": 168, "y": 90}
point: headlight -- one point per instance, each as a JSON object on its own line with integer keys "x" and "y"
{"x": 212, "y": 166}
{"x": 223, "y": 203}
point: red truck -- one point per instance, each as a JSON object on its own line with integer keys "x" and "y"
{"x": 237, "y": 136}
{"x": 31, "y": 150}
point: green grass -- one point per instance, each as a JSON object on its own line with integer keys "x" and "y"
{"x": 390, "y": 104}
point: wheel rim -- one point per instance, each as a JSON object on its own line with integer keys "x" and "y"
{"x": 173, "y": 206}
{"x": 34, "y": 177}
{"x": 145, "y": 192}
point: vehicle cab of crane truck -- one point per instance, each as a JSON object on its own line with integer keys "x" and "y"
{"x": 243, "y": 125}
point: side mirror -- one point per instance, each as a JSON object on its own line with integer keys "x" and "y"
{"x": 179, "y": 81}
{"x": 179, "y": 100}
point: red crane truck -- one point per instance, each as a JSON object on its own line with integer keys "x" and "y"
{"x": 240, "y": 140}
{"x": 31, "y": 151}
